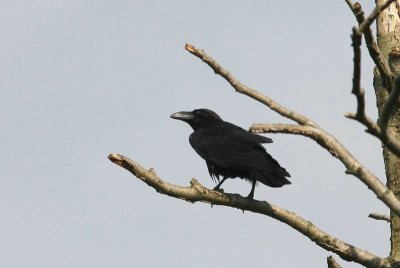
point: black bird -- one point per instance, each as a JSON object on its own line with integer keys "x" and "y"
{"x": 231, "y": 151}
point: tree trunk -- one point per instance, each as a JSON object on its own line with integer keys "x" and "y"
{"x": 388, "y": 37}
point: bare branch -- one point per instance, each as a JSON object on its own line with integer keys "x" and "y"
{"x": 373, "y": 128}
{"x": 360, "y": 116}
{"x": 379, "y": 216}
{"x": 241, "y": 88}
{"x": 329, "y": 142}
{"x": 306, "y": 131}
{"x": 357, "y": 90}
{"x": 332, "y": 263}
{"x": 197, "y": 192}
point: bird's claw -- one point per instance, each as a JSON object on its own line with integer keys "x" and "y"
{"x": 250, "y": 196}
{"x": 218, "y": 189}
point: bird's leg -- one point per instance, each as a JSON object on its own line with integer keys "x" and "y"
{"x": 251, "y": 194}
{"x": 216, "y": 188}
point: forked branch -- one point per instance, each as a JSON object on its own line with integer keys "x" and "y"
{"x": 393, "y": 86}
{"x": 374, "y": 14}
{"x": 373, "y": 49}
{"x": 198, "y": 193}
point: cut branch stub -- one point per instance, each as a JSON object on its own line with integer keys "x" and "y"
{"x": 379, "y": 216}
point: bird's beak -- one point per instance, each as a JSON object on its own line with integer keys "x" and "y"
{"x": 184, "y": 116}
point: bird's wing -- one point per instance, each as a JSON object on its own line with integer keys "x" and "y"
{"x": 243, "y": 135}
{"x": 233, "y": 150}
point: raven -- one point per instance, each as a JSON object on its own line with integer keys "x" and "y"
{"x": 230, "y": 151}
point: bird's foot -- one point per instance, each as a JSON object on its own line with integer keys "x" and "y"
{"x": 250, "y": 196}
{"x": 218, "y": 189}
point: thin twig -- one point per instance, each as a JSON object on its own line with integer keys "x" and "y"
{"x": 379, "y": 216}
{"x": 197, "y": 192}
{"x": 360, "y": 115}
{"x": 357, "y": 90}
{"x": 353, "y": 166}
{"x": 332, "y": 263}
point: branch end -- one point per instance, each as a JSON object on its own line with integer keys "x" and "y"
{"x": 379, "y": 216}
{"x": 190, "y": 48}
{"x": 350, "y": 115}
{"x": 116, "y": 159}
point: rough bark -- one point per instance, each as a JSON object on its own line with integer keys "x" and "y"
{"x": 388, "y": 37}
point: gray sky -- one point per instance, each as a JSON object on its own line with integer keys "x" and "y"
{"x": 82, "y": 79}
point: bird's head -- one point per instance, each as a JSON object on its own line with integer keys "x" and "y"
{"x": 199, "y": 118}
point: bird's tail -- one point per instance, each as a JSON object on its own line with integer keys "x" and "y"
{"x": 277, "y": 178}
